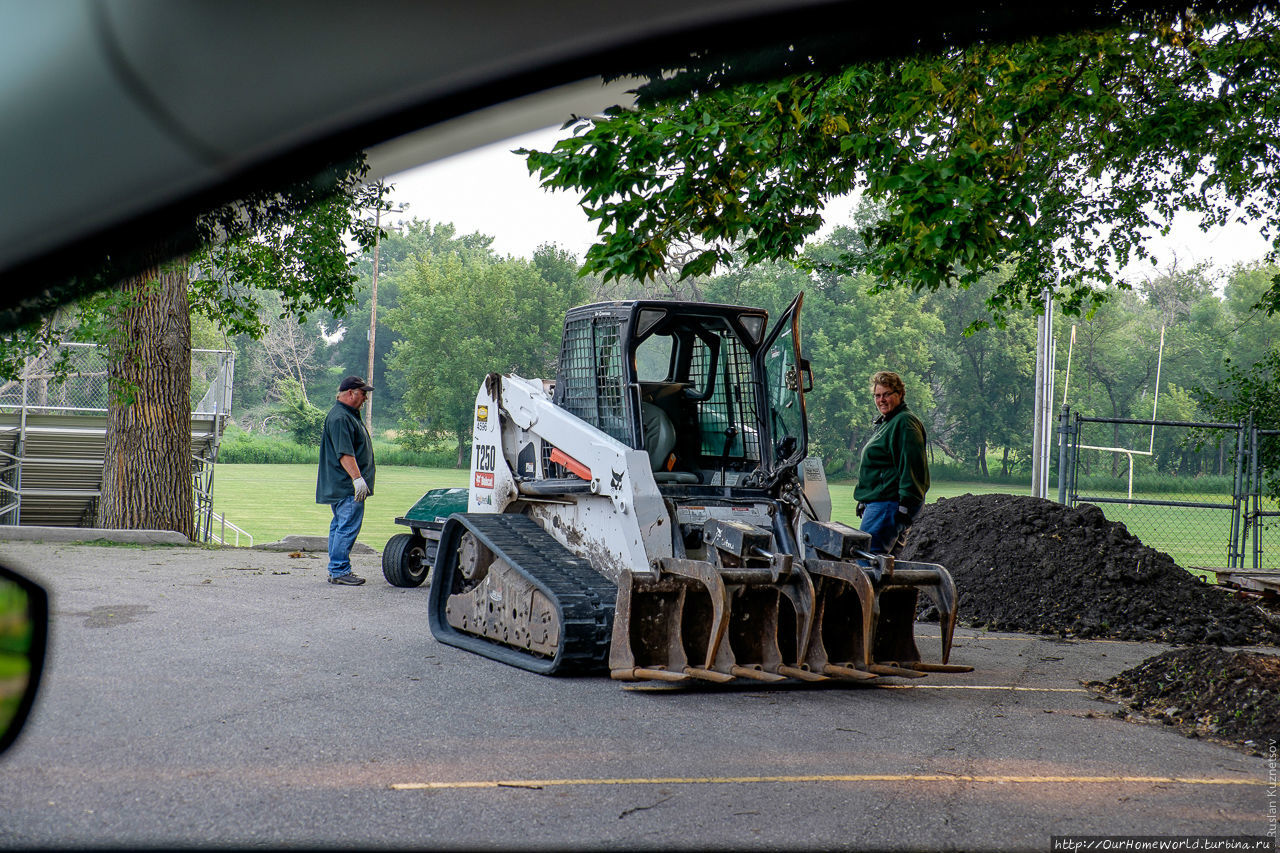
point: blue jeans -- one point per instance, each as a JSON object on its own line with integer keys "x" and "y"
{"x": 880, "y": 519}
{"x": 348, "y": 515}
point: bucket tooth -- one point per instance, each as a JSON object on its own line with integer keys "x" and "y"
{"x": 638, "y": 673}
{"x": 801, "y": 674}
{"x": 757, "y": 674}
{"x": 890, "y": 669}
{"x": 940, "y": 667}
{"x": 709, "y": 675}
{"x": 847, "y": 672}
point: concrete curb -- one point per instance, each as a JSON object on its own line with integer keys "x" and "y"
{"x": 92, "y": 534}
{"x": 17, "y": 533}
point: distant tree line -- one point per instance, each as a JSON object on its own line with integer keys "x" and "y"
{"x": 450, "y": 309}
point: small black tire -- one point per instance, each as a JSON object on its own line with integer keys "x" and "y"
{"x": 404, "y": 560}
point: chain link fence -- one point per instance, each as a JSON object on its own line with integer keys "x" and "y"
{"x": 1192, "y": 489}
{"x": 1178, "y": 486}
{"x": 53, "y": 423}
{"x": 84, "y": 387}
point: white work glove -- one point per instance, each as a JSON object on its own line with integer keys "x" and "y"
{"x": 361, "y": 487}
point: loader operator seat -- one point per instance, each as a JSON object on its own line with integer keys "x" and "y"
{"x": 659, "y": 441}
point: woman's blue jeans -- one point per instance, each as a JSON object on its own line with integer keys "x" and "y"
{"x": 348, "y": 515}
{"x": 880, "y": 519}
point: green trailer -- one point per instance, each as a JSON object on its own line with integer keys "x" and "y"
{"x": 408, "y": 557}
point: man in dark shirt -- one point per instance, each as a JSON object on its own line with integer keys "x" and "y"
{"x": 345, "y": 477}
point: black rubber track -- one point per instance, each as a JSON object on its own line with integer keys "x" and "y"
{"x": 584, "y": 599}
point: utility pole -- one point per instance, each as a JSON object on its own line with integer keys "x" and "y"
{"x": 373, "y": 306}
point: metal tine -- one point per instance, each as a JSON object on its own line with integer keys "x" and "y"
{"x": 834, "y": 578}
{"x": 646, "y": 602}
{"x": 902, "y": 672}
{"x": 939, "y": 667}
{"x": 756, "y": 674}
{"x": 938, "y": 584}
{"x": 662, "y": 601}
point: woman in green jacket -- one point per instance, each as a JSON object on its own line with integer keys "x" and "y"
{"x": 893, "y": 476}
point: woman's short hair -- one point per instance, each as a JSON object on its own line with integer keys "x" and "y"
{"x": 889, "y": 380}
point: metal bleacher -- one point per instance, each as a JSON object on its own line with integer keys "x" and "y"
{"x": 53, "y": 438}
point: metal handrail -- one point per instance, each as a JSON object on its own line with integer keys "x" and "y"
{"x": 221, "y": 538}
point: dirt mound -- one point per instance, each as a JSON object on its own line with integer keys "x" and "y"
{"x": 1032, "y": 565}
{"x": 1205, "y": 692}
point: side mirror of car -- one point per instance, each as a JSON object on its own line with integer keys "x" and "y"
{"x": 24, "y": 635}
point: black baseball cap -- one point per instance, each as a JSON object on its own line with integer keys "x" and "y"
{"x": 354, "y": 382}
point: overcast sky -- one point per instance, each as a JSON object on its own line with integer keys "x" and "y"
{"x": 491, "y": 191}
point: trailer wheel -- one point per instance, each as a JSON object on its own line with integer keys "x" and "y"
{"x": 404, "y": 560}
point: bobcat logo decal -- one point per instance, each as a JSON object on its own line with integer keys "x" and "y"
{"x": 616, "y": 483}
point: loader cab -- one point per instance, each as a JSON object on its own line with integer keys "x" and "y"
{"x": 713, "y": 396}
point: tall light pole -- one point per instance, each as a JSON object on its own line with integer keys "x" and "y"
{"x": 373, "y": 306}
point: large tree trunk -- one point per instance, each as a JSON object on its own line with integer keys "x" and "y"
{"x": 146, "y": 478}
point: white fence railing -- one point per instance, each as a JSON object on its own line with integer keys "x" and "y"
{"x": 218, "y": 528}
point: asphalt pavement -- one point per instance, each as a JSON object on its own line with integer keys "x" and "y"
{"x": 232, "y": 697}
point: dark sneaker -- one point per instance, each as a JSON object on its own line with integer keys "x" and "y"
{"x": 347, "y": 580}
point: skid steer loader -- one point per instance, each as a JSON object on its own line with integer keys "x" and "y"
{"x": 653, "y": 511}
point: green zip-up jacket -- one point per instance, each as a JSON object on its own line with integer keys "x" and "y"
{"x": 894, "y": 466}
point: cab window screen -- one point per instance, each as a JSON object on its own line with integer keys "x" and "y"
{"x": 727, "y": 419}
{"x": 589, "y": 382}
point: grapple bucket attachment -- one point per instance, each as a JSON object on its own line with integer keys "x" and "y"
{"x": 694, "y": 619}
{"x": 865, "y": 617}
{"x": 844, "y": 621}
{"x": 748, "y": 613}
{"x": 897, "y": 584}
{"x": 744, "y": 614}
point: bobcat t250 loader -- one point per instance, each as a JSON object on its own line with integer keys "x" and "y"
{"x": 653, "y": 511}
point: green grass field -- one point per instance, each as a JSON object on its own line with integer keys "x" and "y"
{"x": 273, "y": 501}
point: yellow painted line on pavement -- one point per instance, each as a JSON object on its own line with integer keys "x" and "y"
{"x": 854, "y": 778}
{"x": 980, "y": 687}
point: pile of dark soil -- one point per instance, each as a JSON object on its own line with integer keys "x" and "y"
{"x": 1205, "y": 691}
{"x": 1032, "y": 565}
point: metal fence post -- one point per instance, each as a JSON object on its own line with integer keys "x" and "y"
{"x": 1255, "y": 514}
{"x": 1064, "y": 427}
{"x": 1235, "y": 544}
{"x": 1074, "y": 463}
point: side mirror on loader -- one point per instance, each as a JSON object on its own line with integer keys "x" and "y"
{"x": 24, "y": 633}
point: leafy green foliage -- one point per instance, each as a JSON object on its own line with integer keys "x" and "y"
{"x": 847, "y": 335}
{"x": 399, "y": 252}
{"x": 290, "y": 242}
{"x": 293, "y": 243}
{"x": 984, "y": 382}
{"x": 1049, "y": 157}
{"x": 462, "y": 316}
{"x": 1252, "y": 393}
{"x": 303, "y": 421}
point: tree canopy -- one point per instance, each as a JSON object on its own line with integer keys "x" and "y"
{"x": 1052, "y": 158}
{"x": 463, "y": 315}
